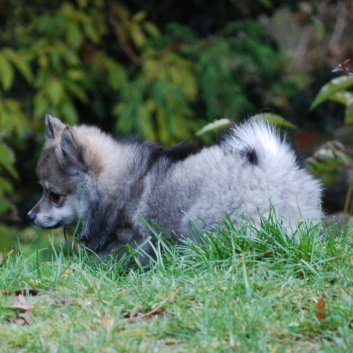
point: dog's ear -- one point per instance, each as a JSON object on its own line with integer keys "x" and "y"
{"x": 53, "y": 127}
{"x": 72, "y": 161}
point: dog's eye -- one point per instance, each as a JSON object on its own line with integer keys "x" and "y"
{"x": 56, "y": 198}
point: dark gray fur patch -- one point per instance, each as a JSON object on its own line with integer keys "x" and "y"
{"x": 148, "y": 156}
{"x": 251, "y": 155}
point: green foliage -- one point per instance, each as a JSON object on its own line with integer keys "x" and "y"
{"x": 11, "y": 120}
{"x": 179, "y": 69}
{"x": 327, "y": 160}
{"x": 337, "y": 90}
{"x": 156, "y": 101}
{"x": 61, "y": 78}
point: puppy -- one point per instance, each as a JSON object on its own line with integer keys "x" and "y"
{"x": 109, "y": 186}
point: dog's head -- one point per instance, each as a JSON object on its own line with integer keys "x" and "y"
{"x": 67, "y": 186}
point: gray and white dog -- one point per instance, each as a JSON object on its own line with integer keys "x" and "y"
{"x": 109, "y": 185}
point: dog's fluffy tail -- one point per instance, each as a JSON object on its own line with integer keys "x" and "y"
{"x": 260, "y": 143}
{"x": 292, "y": 190}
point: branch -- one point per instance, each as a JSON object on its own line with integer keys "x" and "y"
{"x": 119, "y": 35}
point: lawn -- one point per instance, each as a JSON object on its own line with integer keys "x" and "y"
{"x": 229, "y": 292}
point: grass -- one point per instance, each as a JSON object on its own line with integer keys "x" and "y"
{"x": 228, "y": 292}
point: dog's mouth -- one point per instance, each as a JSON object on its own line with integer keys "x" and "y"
{"x": 55, "y": 226}
{"x": 46, "y": 224}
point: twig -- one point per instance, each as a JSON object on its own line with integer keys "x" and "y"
{"x": 156, "y": 309}
{"x": 119, "y": 35}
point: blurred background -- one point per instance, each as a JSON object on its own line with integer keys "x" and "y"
{"x": 163, "y": 70}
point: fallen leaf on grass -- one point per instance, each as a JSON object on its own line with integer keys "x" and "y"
{"x": 320, "y": 309}
{"x": 107, "y": 321}
{"x": 22, "y": 310}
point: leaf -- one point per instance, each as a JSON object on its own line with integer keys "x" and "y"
{"x": 7, "y": 159}
{"x": 215, "y": 125}
{"x": 73, "y": 35}
{"x": 320, "y": 309}
{"x": 151, "y": 29}
{"x": 274, "y": 119}
{"x": 76, "y": 74}
{"x": 55, "y": 91}
{"x": 330, "y": 156}
{"x": 90, "y": 31}
{"x": 115, "y": 72}
{"x": 106, "y": 320}
{"x": 41, "y": 104}
{"x": 6, "y": 72}
{"x": 327, "y": 91}
{"x": 343, "y": 97}
{"x": 139, "y": 16}
{"x": 342, "y": 67}
{"x": 76, "y": 90}
{"x": 22, "y": 305}
{"x": 137, "y": 35}
{"x": 69, "y": 112}
{"x": 21, "y": 64}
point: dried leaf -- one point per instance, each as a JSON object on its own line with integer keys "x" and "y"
{"x": 107, "y": 321}
{"x": 22, "y": 305}
{"x": 320, "y": 311}
{"x": 342, "y": 67}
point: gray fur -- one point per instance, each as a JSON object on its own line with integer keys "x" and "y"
{"x": 108, "y": 185}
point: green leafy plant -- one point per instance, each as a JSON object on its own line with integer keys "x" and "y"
{"x": 12, "y": 119}
{"x": 332, "y": 156}
{"x": 337, "y": 90}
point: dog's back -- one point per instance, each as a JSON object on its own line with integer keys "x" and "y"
{"x": 251, "y": 172}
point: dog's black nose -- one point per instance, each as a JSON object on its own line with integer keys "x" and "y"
{"x": 31, "y": 216}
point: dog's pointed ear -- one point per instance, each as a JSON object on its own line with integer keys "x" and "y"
{"x": 72, "y": 161}
{"x": 49, "y": 131}
{"x": 53, "y": 127}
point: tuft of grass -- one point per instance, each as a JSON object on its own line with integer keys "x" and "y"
{"x": 235, "y": 288}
